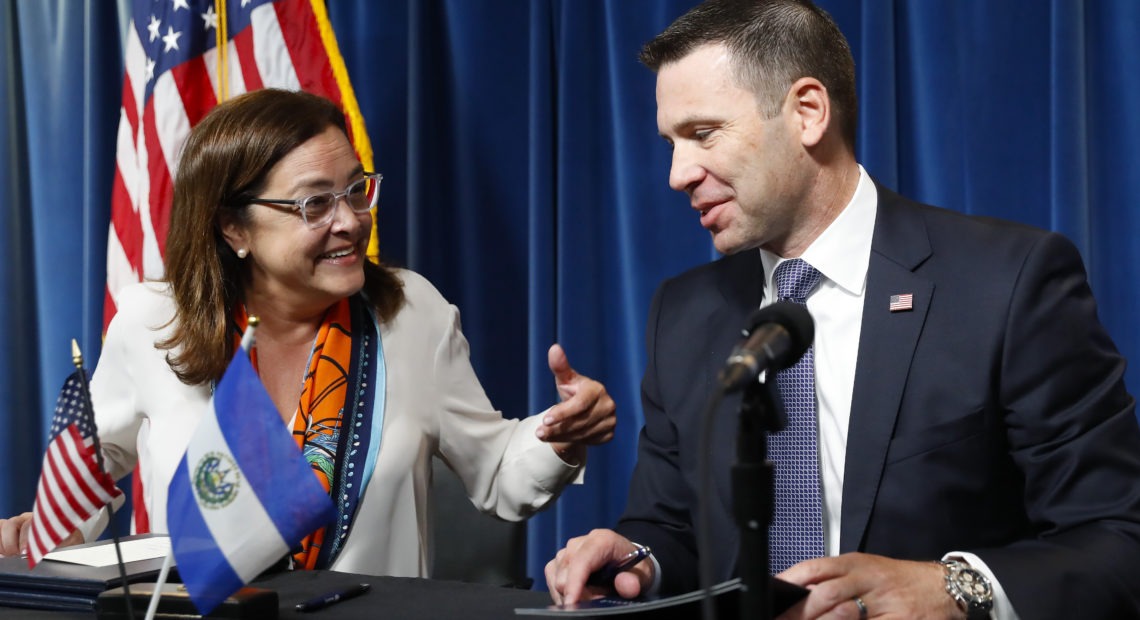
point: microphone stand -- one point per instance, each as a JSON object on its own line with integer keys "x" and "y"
{"x": 761, "y": 412}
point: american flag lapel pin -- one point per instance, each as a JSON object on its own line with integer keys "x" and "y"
{"x": 902, "y": 303}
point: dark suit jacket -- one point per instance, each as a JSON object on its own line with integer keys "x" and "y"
{"x": 992, "y": 418}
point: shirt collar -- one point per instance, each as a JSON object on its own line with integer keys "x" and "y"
{"x": 843, "y": 250}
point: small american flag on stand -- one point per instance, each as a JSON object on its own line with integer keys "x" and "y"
{"x": 73, "y": 487}
{"x": 901, "y": 303}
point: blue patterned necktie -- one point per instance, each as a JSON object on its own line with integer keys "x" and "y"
{"x": 797, "y": 527}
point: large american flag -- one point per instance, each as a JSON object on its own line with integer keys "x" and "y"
{"x": 72, "y": 487}
{"x": 181, "y": 58}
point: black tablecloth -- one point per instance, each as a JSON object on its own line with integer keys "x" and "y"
{"x": 390, "y": 597}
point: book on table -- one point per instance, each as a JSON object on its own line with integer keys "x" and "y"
{"x": 71, "y": 578}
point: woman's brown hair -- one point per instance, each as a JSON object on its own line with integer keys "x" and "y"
{"x": 225, "y": 162}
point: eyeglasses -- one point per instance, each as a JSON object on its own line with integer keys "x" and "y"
{"x": 317, "y": 210}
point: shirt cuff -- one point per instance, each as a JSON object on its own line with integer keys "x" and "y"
{"x": 1003, "y": 609}
{"x": 554, "y": 471}
{"x": 654, "y": 587}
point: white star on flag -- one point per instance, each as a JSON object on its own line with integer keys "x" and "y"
{"x": 153, "y": 27}
{"x": 211, "y": 18}
{"x": 171, "y": 39}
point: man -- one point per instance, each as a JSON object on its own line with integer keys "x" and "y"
{"x": 968, "y": 405}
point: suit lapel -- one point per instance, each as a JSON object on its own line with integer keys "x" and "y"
{"x": 887, "y": 343}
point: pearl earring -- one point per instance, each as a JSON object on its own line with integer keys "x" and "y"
{"x": 242, "y": 252}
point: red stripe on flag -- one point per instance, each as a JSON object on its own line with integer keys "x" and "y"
{"x": 55, "y": 515}
{"x": 141, "y": 518}
{"x": 195, "y": 88}
{"x": 36, "y": 544}
{"x": 53, "y": 468}
{"x": 243, "y": 45}
{"x": 52, "y": 516}
{"x": 109, "y": 308}
{"x": 81, "y": 464}
{"x": 306, "y": 50}
{"x": 40, "y": 540}
{"x": 45, "y": 524}
{"x": 73, "y": 486}
{"x": 161, "y": 189}
{"x": 130, "y": 106}
{"x": 126, "y": 223}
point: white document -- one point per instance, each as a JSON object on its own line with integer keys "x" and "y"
{"x": 104, "y": 554}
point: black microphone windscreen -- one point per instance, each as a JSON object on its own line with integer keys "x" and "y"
{"x": 793, "y": 317}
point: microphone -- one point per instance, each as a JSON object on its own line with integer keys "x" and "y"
{"x": 778, "y": 335}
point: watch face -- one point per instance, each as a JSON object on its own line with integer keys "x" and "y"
{"x": 974, "y": 586}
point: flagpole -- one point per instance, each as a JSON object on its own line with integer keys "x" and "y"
{"x": 77, "y": 359}
{"x": 157, "y": 594}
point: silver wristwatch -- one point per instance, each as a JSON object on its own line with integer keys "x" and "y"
{"x": 969, "y": 588}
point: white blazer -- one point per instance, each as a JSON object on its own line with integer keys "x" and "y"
{"x": 434, "y": 405}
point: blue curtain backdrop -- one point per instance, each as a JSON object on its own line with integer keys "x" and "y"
{"x": 524, "y": 176}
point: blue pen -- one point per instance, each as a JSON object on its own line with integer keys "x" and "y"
{"x": 333, "y": 598}
{"x": 605, "y": 576}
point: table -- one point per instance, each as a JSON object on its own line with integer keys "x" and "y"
{"x": 390, "y": 597}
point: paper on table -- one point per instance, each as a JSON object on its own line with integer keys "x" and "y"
{"x": 104, "y": 554}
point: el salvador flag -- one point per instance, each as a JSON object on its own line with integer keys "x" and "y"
{"x": 243, "y": 495}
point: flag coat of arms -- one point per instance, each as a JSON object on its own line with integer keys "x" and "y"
{"x": 73, "y": 487}
{"x": 243, "y": 495}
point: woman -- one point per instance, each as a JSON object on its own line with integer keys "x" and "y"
{"x": 271, "y": 218}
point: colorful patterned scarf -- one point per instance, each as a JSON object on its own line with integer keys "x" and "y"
{"x": 344, "y": 358}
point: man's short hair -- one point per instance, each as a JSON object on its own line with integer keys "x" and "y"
{"x": 773, "y": 43}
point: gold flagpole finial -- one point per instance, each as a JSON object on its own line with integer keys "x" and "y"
{"x": 76, "y": 355}
{"x": 247, "y": 338}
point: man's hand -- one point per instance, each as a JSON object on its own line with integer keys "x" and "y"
{"x": 888, "y": 588}
{"x": 566, "y": 574}
{"x": 584, "y": 417}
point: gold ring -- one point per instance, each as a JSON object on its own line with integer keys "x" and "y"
{"x": 862, "y": 607}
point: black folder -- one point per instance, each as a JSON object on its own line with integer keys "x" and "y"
{"x": 726, "y": 599}
{"x": 66, "y": 586}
